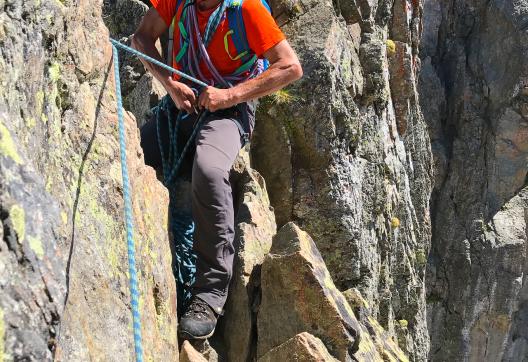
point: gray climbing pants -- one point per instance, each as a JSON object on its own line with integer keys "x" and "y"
{"x": 209, "y": 163}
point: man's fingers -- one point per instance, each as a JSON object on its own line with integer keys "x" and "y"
{"x": 201, "y": 100}
{"x": 187, "y": 106}
{"x": 192, "y": 97}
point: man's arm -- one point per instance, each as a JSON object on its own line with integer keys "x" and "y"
{"x": 152, "y": 26}
{"x": 284, "y": 69}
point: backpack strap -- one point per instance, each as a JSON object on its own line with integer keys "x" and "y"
{"x": 237, "y": 30}
{"x": 170, "y": 43}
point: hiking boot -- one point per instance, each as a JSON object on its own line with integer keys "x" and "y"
{"x": 198, "y": 321}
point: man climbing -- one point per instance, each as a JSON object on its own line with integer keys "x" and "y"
{"x": 223, "y": 43}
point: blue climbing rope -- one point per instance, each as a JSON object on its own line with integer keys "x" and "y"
{"x": 134, "y": 293}
{"x": 181, "y": 224}
{"x": 157, "y": 62}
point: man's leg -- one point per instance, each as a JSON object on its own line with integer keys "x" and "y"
{"x": 217, "y": 146}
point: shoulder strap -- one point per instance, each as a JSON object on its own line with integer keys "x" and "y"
{"x": 237, "y": 30}
{"x": 170, "y": 43}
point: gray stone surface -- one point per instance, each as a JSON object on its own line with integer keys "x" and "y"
{"x": 473, "y": 88}
{"x": 299, "y": 295}
{"x": 346, "y": 154}
{"x": 63, "y": 259}
{"x": 304, "y": 315}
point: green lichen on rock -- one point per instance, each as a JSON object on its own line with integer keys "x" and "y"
{"x": 395, "y": 222}
{"x": 7, "y": 145}
{"x": 54, "y": 72}
{"x": 64, "y": 217}
{"x": 18, "y": 218}
{"x": 391, "y": 47}
{"x": 30, "y": 122}
{"x": 39, "y": 101}
{"x": 283, "y": 96}
{"x": 36, "y": 245}
{"x": 421, "y": 258}
{"x": 403, "y": 323}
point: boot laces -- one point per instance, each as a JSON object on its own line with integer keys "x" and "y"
{"x": 199, "y": 309}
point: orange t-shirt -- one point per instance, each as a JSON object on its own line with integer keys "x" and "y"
{"x": 262, "y": 33}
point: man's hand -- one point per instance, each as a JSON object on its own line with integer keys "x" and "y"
{"x": 214, "y": 99}
{"x": 181, "y": 94}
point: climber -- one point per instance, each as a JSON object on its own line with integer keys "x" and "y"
{"x": 223, "y": 43}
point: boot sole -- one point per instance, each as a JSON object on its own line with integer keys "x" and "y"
{"x": 187, "y": 335}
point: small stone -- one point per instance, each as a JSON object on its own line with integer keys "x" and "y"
{"x": 304, "y": 347}
{"x": 189, "y": 354}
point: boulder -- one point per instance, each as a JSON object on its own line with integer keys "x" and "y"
{"x": 298, "y": 295}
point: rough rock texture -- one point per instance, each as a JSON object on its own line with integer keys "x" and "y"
{"x": 384, "y": 343}
{"x": 298, "y": 295}
{"x": 474, "y": 87}
{"x": 304, "y": 347}
{"x": 346, "y": 155}
{"x": 255, "y": 228}
{"x": 63, "y": 259}
{"x": 189, "y": 354}
{"x": 141, "y": 91}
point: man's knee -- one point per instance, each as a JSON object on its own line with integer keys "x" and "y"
{"x": 208, "y": 177}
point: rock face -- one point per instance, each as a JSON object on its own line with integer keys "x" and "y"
{"x": 474, "y": 87}
{"x": 346, "y": 155}
{"x": 141, "y": 91}
{"x": 63, "y": 259}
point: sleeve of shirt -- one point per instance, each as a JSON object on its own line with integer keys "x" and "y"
{"x": 166, "y": 9}
{"x": 262, "y": 31}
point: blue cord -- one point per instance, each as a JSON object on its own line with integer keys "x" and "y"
{"x": 134, "y": 293}
{"x": 181, "y": 223}
{"x": 157, "y": 62}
